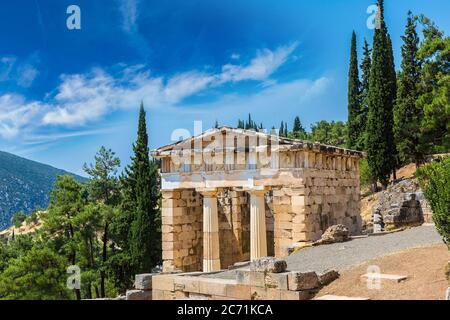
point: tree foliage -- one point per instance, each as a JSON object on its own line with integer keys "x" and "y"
{"x": 407, "y": 114}
{"x": 381, "y": 95}
{"x": 39, "y": 274}
{"x": 434, "y": 179}
{"x": 354, "y": 98}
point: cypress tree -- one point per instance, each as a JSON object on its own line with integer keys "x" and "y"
{"x": 281, "y": 133}
{"x": 379, "y": 140}
{"x": 365, "y": 74}
{"x": 407, "y": 116}
{"x": 297, "y": 125}
{"x": 145, "y": 230}
{"x": 354, "y": 105}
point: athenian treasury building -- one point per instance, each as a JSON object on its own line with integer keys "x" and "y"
{"x": 233, "y": 195}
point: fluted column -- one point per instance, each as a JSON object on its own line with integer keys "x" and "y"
{"x": 258, "y": 242}
{"x": 211, "y": 248}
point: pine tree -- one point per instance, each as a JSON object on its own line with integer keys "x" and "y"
{"x": 354, "y": 103}
{"x": 298, "y": 132}
{"x": 285, "y": 130}
{"x": 407, "y": 115}
{"x": 434, "y": 97}
{"x": 365, "y": 74}
{"x": 380, "y": 140}
{"x": 145, "y": 230}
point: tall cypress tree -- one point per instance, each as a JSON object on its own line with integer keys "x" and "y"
{"x": 354, "y": 104}
{"x": 281, "y": 133}
{"x": 145, "y": 231}
{"x": 407, "y": 116}
{"x": 380, "y": 140}
{"x": 365, "y": 74}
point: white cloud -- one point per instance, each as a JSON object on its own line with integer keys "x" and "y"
{"x": 186, "y": 84}
{"x": 261, "y": 67}
{"x": 15, "y": 113}
{"x": 82, "y": 98}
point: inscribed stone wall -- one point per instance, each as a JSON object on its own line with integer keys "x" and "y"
{"x": 182, "y": 231}
{"x": 234, "y": 224}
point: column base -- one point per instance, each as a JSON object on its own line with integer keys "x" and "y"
{"x": 211, "y": 265}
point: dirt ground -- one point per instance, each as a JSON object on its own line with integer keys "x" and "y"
{"x": 424, "y": 267}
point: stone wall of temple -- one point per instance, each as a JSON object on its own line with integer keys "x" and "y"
{"x": 182, "y": 231}
{"x": 234, "y": 224}
{"x": 327, "y": 194}
{"x": 311, "y": 192}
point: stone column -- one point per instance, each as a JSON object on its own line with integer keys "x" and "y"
{"x": 211, "y": 249}
{"x": 258, "y": 242}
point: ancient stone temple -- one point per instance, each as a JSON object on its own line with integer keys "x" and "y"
{"x": 233, "y": 195}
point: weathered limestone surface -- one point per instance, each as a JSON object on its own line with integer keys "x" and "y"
{"x": 248, "y": 285}
{"x": 234, "y": 227}
{"x": 143, "y": 281}
{"x": 259, "y": 207}
{"x": 139, "y": 295}
{"x": 182, "y": 230}
{"x": 335, "y": 233}
{"x": 268, "y": 264}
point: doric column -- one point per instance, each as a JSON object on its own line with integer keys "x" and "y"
{"x": 258, "y": 242}
{"x": 211, "y": 248}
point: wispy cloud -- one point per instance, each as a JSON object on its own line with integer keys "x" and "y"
{"x": 15, "y": 113}
{"x": 261, "y": 67}
{"x": 21, "y": 73}
{"x": 129, "y": 11}
{"x": 83, "y": 98}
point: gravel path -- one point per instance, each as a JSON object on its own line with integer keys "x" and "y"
{"x": 345, "y": 255}
{"x": 341, "y": 256}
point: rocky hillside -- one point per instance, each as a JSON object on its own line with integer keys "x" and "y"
{"x": 24, "y": 185}
{"x": 401, "y": 204}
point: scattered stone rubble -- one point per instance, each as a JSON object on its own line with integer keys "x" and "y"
{"x": 268, "y": 264}
{"x": 335, "y": 233}
{"x": 143, "y": 288}
{"x": 266, "y": 278}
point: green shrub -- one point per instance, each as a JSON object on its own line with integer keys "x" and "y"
{"x": 18, "y": 218}
{"x": 434, "y": 179}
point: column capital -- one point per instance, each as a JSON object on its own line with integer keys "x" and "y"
{"x": 257, "y": 191}
{"x": 208, "y": 192}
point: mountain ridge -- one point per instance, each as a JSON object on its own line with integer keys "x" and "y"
{"x": 25, "y": 185}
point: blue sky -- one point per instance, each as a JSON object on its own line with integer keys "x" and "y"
{"x": 64, "y": 93}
